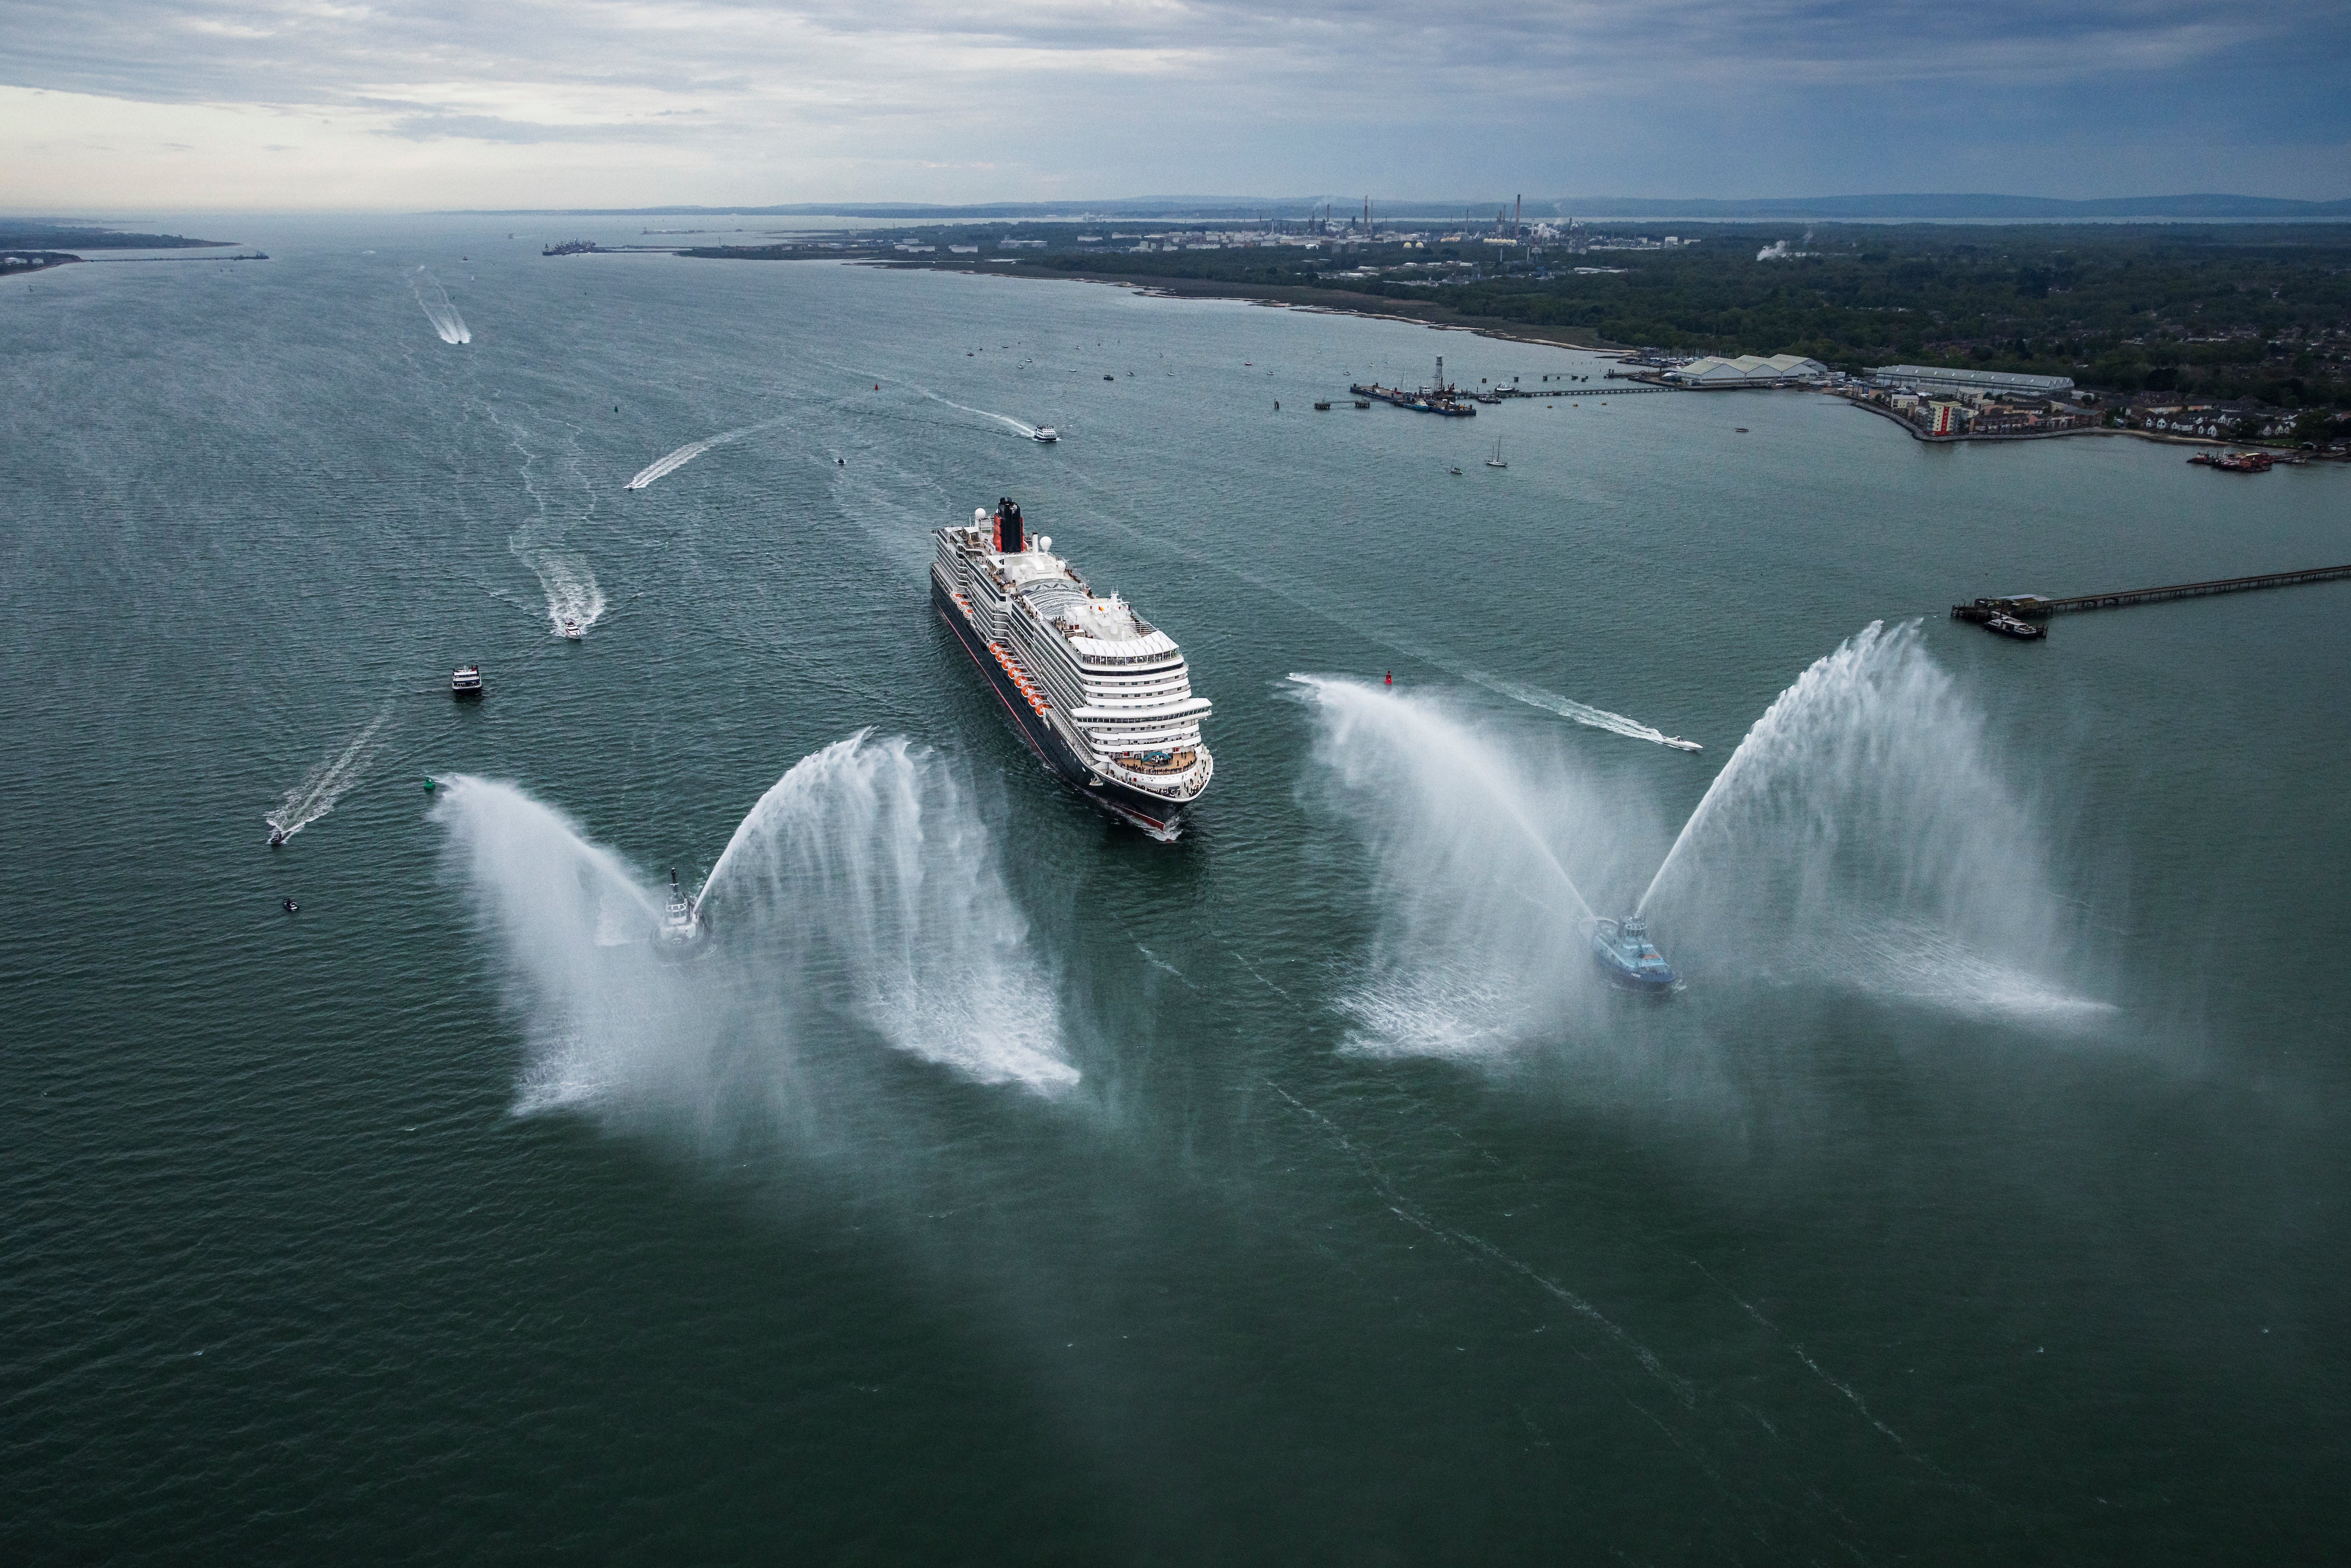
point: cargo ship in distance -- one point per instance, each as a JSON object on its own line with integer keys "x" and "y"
{"x": 1099, "y": 693}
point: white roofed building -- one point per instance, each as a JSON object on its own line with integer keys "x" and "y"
{"x": 1750, "y": 370}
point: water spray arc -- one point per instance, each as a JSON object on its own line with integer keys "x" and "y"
{"x": 1863, "y": 835}
{"x": 860, "y": 901}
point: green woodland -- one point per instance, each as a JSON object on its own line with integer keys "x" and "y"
{"x": 2219, "y": 310}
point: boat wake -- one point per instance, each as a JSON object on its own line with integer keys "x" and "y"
{"x": 661, "y": 468}
{"x": 572, "y": 593}
{"x": 1566, "y": 707}
{"x": 327, "y": 783}
{"x": 1005, "y": 420}
{"x": 437, "y": 308}
{"x": 858, "y": 902}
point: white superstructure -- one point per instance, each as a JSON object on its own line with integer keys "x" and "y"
{"x": 1110, "y": 686}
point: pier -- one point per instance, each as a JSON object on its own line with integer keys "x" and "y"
{"x": 2033, "y": 607}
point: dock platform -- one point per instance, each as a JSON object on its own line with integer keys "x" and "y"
{"x": 2033, "y": 607}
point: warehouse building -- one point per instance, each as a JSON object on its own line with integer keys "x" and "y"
{"x": 1938, "y": 379}
{"x": 1750, "y": 370}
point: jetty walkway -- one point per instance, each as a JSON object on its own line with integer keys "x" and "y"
{"x": 2033, "y": 607}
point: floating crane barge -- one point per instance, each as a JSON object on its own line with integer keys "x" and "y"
{"x": 2033, "y": 607}
{"x": 1441, "y": 397}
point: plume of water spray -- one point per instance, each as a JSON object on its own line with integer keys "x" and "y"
{"x": 438, "y": 310}
{"x": 866, "y": 862}
{"x": 858, "y": 902}
{"x": 1480, "y": 921}
{"x": 330, "y": 781}
{"x": 1866, "y": 830}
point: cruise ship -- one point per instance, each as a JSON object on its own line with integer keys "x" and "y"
{"x": 1097, "y": 692}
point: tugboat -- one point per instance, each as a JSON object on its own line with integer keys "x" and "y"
{"x": 465, "y": 682}
{"x": 1625, "y": 955}
{"x": 680, "y": 932}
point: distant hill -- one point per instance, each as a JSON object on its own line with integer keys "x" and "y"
{"x": 1913, "y": 208}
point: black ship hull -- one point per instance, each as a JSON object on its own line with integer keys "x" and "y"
{"x": 1152, "y": 813}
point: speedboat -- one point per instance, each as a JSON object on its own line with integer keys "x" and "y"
{"x": 1625, "y": 955}
{"x": 1045, "y": 433}
{"x": 571, "y": 629}
{"x": 276, "y": 835}
{"x": 466, "y": 681}
{"x": 680, "y": 930}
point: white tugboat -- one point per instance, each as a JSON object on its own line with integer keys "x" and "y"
{"x": 1099, "y": 693}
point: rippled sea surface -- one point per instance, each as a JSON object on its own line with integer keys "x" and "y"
{"x": 1004, "y": 1186}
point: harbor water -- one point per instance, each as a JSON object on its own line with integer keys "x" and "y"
{"x": 993, "y": 1183}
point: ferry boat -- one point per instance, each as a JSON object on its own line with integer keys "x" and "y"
{"x": 1625, "y": 955}
{"x": 1099, "y": 693}
{"x": 1046, "y": 434}
{"x": 681, "y": 928}
{"x": 466, "y": 681}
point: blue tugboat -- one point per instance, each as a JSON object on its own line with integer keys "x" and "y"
{"x": 1625, "y": 955}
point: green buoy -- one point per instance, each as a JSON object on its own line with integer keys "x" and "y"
{"x": 428, "y": 784}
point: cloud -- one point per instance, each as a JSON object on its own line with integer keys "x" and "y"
{"x": 793, "y": 98}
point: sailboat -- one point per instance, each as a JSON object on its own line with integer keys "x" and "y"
{"x": 1496, "y": 460}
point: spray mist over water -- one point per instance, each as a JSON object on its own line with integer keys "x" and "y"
{"x": 330, "y": 781}
{"x": 860, "y": 901}
{"x": 1864, "y": 833}
{"x": 1480, "y": 921}
{"x": 437, "y": 308}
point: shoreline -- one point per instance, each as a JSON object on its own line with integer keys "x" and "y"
{"x": 1324, "y": 301}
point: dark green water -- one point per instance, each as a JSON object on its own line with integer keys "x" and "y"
{"x": 417, "y": 1226}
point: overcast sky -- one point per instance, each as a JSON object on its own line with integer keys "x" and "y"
{"x": 109, "y": 105}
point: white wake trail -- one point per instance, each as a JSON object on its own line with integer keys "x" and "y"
{"x": 572, "y": 592}
{"x": 328, "y": 783}
{"x": 662, "y": 467}
{"x": 1566, "y": 707}
{"x": 437, "y": 307}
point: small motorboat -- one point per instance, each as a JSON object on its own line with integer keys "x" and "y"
{"x": 680, "y": 930}
{"x": 289, "y": 907}
{"x": 2009, "y": 625}
{"x": 1678, "y": 744}
{"x": 1625, "y": 955}
{"x": 276, "y": 835}
{"x": 571, "y": 629}
{"x": 466, "y": 681}
{"x": 1046, "y": 434}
